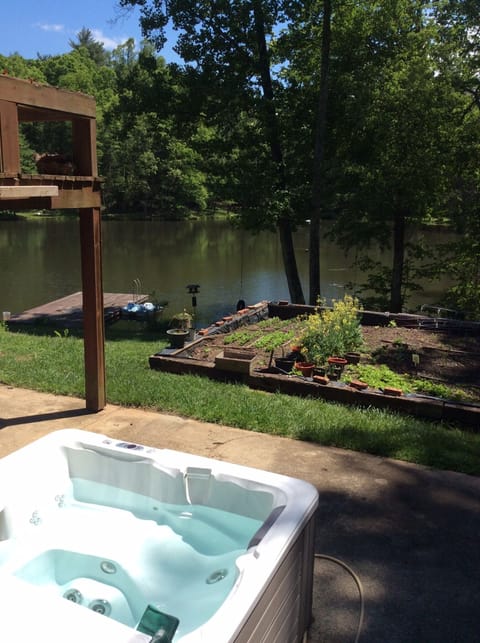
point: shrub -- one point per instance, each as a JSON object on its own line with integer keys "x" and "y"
{"x": 332, "y": 331}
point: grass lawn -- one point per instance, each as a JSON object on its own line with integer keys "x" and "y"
{"x": 53, "y": 362}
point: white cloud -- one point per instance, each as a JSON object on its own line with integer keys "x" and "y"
{"x": 48, "y": 27}
{"x": 108, "y": 43}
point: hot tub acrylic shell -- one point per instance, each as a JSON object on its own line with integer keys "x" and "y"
{"x": 270, "y": 598}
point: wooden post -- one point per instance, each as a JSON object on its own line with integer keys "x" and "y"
{"x": 9, "y": 140}
{"x": 85, "y": 157}
{"x": 84, "y": 148}
{"x": 93, "y": 315}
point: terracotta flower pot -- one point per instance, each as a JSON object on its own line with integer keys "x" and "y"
{"x": 306, "y": 368}
{"x": 337, "y": 361}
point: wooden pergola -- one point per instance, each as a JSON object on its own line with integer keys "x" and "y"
{"x": 24, "y": 101}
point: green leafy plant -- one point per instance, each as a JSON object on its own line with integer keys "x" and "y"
{"x": 274, "y": 323}
{"x": 438, "y": 389}
{"x": 332, "y": 331}
{"x": 379, "y": 376}
{"x": 240, "y": 337}
{"x": 273, "y": 340}
{"x": 182, "y": 320}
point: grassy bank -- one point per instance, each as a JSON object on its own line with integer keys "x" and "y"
{"x": 54, "y": 363}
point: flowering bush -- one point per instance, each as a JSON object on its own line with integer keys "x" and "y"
{"x": 332, "y": 331}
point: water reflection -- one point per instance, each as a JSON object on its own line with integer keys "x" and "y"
{"x": 40, "y": 261}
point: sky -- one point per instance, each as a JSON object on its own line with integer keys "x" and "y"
{"x": 31, "y": 27}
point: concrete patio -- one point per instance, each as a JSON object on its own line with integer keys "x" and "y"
{"x": 410, "y": 533}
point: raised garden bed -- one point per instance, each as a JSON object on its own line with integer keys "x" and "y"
{"x": 242, "y": 351}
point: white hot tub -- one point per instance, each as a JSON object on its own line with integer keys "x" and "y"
{"x": 102, "y": 540}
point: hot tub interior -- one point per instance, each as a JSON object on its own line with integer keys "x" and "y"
{"x": 149, "y": 542}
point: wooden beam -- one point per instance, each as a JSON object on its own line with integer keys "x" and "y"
{"x": 19, "y": 205}
{"x": 27, "y": 191}
{"x": 72, "y": 199}
{"x": 28, "y": 114}
{"x": 9, "y": 139}
{"x": 33, "y": 94}
{"x": 93, "y": 322}
{"x": 84, "y": 147}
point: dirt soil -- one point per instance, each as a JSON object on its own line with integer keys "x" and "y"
{"x": 446, "y": 358}
{"x": 443, "y": 357}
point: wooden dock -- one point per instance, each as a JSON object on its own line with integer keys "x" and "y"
{"x": 67, "y": 312}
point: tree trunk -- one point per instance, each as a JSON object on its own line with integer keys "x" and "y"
{"x": 396, "y": 299}
{"x": 318, "y": 181}
{"x": 271, "y": 124}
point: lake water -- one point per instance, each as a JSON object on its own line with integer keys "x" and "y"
{"x": 40, "y": 262}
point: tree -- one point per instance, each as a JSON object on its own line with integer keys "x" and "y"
{"x": 149, "y": 158}
{"x": 229, "y": 43}
{"x": 318, "y": 173}
{"x": 460, "y": 63}
{"x": 94, "y": 48}
{"x": 393, "y": 130}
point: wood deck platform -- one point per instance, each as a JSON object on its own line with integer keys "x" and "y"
{"x": 67, "y": 312}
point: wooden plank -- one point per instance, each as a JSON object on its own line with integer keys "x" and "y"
{"x": 32, "y": 94}
{"x": 64, "y": 180}
{"x": 71, "y": 199}
{"x": 67, "y": 312}
{"x": 9, "y": 141}
{"x": 93, "y": 324}
{"x": 27, "y": 191}
{"x": 34, "y": 194}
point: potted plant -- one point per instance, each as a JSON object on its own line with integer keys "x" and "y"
{"x": 336, "y": 366}
{"x": 181, "y": 324}
{"x": 305, "y": 368}
{"x": 332, "y": 331}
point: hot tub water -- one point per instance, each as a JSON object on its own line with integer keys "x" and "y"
{"x": 179, "y": 558}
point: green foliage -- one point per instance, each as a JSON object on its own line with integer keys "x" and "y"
{"x": 94, "y": 49}
{"x": 332, "y": 331}
{"x": 15, "y": 65}
{"x": 273, "y": 340}
{"x": 375, "y": 291}
{"x": 381, "y": 376}
{"x": 182, "y": 320}
{"x": 440, "y": 390}
{"x": 274, "y": 323}
{"x": 460, "y": 260}
{"x": 65, "y": 333}
{"x": 262, "y": 339}
{"x": 240, "y": 337}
